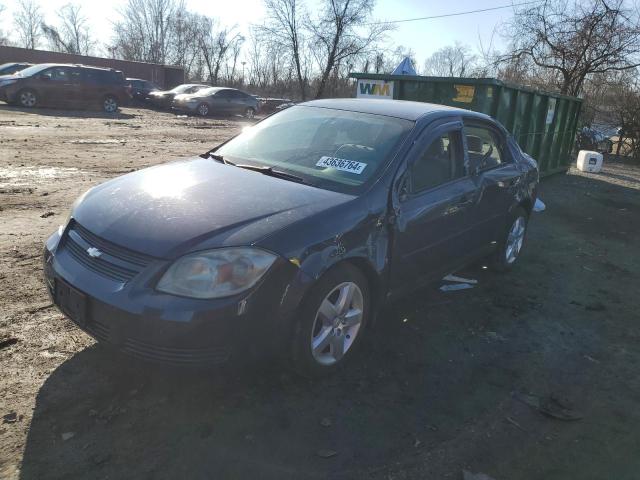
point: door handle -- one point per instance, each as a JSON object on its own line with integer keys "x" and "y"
{"x": 466, "y": 201}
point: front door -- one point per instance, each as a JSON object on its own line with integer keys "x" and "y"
{"x": 432, "y": 208}
{"x": 56, "y": 86}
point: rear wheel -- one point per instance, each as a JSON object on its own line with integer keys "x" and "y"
{"x": 332, "y": 321}
{"x": 110, "y": 104}
{"x": 27, "y": 98}
{"x": 249, "y": 113}
{"x": 512, "y": 241}
{"x": 203, "y": 109}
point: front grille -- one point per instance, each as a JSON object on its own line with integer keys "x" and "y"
{"x": 115, "y": 262}
{"x": 176, "y": 356}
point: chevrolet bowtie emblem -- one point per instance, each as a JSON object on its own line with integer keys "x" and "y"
{"x": 94, "y": 252}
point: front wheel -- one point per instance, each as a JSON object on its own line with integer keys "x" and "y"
{"x": 249, "y": 113}
{"x": 332, "y": 321}
{"x": 512, "y": 241}
{"x": 203, "y": 109}
{"x": 110, "y": 104}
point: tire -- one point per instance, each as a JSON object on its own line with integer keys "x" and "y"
{"x": 512, "y": 241}
{"x": 202, "y": 109}
{"x": 250, "y": 113}
{"x": 336, "y": 332}
{"x": 27, "y": 98}
{"x": 110, "y": 104}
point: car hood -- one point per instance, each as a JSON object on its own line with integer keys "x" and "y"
{"x": 168, "y": 210}
{"x": 9, "y": 77}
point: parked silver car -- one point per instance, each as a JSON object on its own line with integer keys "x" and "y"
{"x": 217, "y": 101}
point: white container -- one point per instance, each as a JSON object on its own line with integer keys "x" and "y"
{"x": 589, "y": 161}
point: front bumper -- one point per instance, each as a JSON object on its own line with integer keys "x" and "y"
{"x": 137, "y": 320}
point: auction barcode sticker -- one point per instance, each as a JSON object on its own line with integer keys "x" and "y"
{"x": 341, "y": 164}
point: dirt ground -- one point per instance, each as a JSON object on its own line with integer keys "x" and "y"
{"x": 529, "y": 375}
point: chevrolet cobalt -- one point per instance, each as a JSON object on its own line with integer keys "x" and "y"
{"x": 288, "y": 238}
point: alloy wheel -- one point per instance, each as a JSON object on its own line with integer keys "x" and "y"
{"x": 337, "y": 323}
{"x": 28, "y": 99}
{"x": 515, "y": 239}
{"x": 203, "y": 109}
{"x": 110, "y": 105}
{"x": 249, "y": 113}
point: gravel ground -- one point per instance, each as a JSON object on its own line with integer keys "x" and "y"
{"x": 530, "y": 375}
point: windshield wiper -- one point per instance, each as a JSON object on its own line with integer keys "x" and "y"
{"x": 217, "y": 158}
{"x": 255, "y": 168}
{"x": 271, "y": 172}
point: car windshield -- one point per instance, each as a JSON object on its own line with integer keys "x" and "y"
{"x": 29, "y": 71}
{"x": 181, "y": 88}
{"x": 334, "y": 149}
{"x": 209, "y": 91}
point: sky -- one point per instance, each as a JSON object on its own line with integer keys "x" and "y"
{"x": 423, "y": 37}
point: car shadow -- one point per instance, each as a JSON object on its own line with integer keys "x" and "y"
{"x": 103, "y": 416}
{"x": 59, "y": 112}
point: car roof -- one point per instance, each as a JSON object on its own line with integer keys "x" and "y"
{"x": 78, "y": 65}
{"x": 392, "y": 108}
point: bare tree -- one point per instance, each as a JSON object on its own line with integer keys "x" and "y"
{"x": 575, "y": 39}
{"x": 452, "y": 61}
{"x": 215, "y": 44}
{"x": 3, "y": 39}
{"x": 28, "y": 19}
{"x": 341, "y": 33}
{"x": 144, "y": 31}
{"x": 183, "y": 49}
{"x": 284, "y": 26}
{"x": 72, "y": 34}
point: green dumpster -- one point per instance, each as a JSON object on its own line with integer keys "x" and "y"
{"x": 543, "y": 123}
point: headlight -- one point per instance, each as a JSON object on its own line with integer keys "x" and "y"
{"x": 216, "y": 273}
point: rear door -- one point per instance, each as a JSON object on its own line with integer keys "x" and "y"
{"x": 432, "y": 207}
{"x": 496, "y": 178}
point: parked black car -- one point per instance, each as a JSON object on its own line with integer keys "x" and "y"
{"x": 164, "y": 98}
{"x": 291, "y": 235}
{"x": 140, "y": 88}
{"x": 217, "y": 101}
{"x": 65, "y": 86}
{"x": 11, "y": 68}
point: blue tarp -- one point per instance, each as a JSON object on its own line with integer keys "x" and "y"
{"x": 405, "y": 68}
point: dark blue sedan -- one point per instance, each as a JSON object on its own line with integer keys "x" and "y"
{"x": 290, "y": 236}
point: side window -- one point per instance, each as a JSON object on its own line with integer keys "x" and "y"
{"x": 76, "y": 75}
{"x": 225, "y": 94}
{"x": 484, "y": 147}
{"x": 57, "y": 74}
{"x": 440, "y": 163}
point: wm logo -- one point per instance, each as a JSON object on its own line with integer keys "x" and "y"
{"x": 375, "y": 89}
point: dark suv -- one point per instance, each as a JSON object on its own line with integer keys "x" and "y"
{"x": 65, "y": 86}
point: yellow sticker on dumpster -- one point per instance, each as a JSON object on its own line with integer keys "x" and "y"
{"x": 464, "y": 93}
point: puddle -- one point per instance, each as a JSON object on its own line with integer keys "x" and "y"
{"x": 29, "y": 176}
